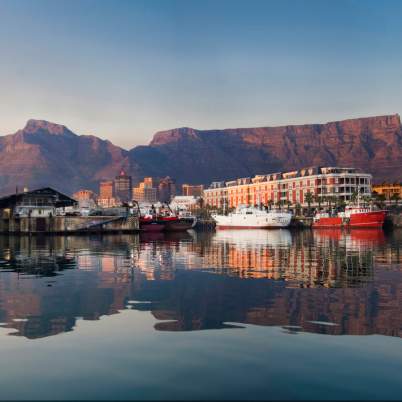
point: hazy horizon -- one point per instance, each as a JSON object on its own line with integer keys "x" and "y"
{"x": 123, "y": 70}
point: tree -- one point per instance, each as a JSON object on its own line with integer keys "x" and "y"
{"x": 354, "y": 196}
{"x": 318, "y": 200}
{"x": 309, "y": 198}
{"x": 395, "y": 197}
{"x": 200, "y": 202}
{"x": 287, "y": 203}
{"x": 380, "y": 199}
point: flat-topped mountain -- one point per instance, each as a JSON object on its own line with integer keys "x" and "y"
{"x": 48, "y": 154}
{"x": 373, "y": 144}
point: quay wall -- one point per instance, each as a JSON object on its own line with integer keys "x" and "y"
{"x": 68, "y": 224}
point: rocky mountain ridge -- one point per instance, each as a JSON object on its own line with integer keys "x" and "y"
{"x": 49, "y": 154}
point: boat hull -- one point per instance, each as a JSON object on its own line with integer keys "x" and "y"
{"x": 372, "y": 219}
{"x": 151, "y": 225}
{"x": 263, "y": 221}
{"x": 330, "y": 222}
{"x": 179, "y": 225}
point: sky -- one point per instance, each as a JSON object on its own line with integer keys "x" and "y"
{"x": 125, "y": 69}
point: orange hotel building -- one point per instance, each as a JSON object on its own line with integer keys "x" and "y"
{"x": 291, "y": 186}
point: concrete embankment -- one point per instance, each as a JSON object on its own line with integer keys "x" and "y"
{"x": 69, "y": 224}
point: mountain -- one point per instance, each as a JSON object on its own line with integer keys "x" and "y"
{"x": 373, "y": 144}
{"x": 48, "y": 154}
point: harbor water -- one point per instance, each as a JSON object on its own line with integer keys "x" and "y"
{"x": 249, "y": 314}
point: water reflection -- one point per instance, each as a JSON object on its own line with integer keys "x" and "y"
{"x": 325, "y": 281}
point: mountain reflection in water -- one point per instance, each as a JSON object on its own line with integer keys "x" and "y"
{"x": 324, "y": 281}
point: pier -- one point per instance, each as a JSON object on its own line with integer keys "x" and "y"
{"x": 44, "y": 211}
{"x": 69, "y": 224}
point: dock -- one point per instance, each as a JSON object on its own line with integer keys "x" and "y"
{"x": 69, "y": 224}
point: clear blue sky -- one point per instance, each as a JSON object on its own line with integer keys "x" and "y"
{"x": 125, "y": 69}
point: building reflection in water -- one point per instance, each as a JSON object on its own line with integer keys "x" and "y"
{"x": 324, "y": 281}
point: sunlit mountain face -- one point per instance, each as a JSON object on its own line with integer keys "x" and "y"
{"x": 46, "y": 154}
{"x": 326, "y": 281}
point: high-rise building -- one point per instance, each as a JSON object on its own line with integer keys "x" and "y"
{"x": 122, "y": 186}
{"x": 145, "y": 192}
{"x": 107, "y": 194}
{"x": 149, "y": 182}
{"x": 192, "y": 190}
{"x": 166, "y": 189}
{"x": 106, "y": 189}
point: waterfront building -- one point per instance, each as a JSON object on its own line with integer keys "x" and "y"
{"x": 40, "y": 203}
{"x": 192, "y": 190}
{"x": 216, "y": 195}
{"x": 290, "y": 187}
{"x": 122, "y": 186}
{"x": 184, "y": 202}
{"x": 390, "y": 190}
{"x": 166, "y": 189}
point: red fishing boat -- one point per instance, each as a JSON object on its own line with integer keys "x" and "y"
{"x": 150, "y": 223}
{"x": 176, "y": 222}
{"x": 353, "y": 217}
{"x": 148, "y": 219}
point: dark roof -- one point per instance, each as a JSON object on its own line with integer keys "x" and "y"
{"x": 61, "y": 200}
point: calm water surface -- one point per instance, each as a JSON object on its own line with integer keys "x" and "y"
{"x": 226, "y": 315}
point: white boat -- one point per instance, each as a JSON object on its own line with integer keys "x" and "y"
{"x": 245, "y": 217}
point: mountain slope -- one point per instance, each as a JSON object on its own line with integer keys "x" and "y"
{"x": 373, "y": 144}
{"x": 48, "y": 154}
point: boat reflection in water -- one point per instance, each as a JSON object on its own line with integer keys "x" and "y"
{"x": 328, "y": 281}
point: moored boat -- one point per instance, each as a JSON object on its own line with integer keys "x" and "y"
{"x": 245, "y": 217}
{"x": 353, "y": 217}
{"x": 177, "y": 224}
{"x": 180, "y": 221}
{"x": 149, "y": 223}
